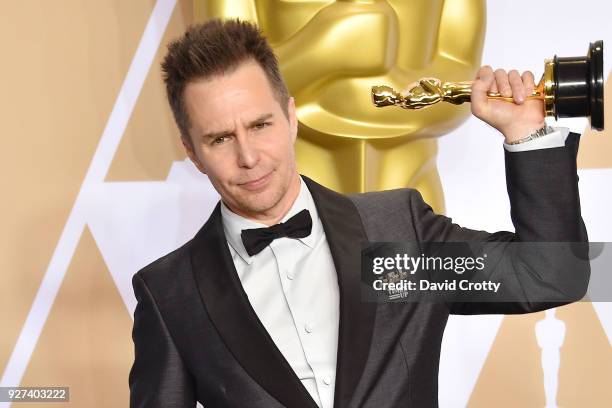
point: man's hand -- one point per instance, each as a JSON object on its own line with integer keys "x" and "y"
{"x": 514, "y": 120}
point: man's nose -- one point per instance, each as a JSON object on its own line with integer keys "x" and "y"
{"x": 247, "y": 153}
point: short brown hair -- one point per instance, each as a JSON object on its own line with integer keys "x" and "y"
{"x": 215, "y": 48}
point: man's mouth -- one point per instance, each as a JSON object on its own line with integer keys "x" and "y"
{"x": 257, "y": 183}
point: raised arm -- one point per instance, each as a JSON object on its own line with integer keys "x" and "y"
{"x": 545, "y": 208}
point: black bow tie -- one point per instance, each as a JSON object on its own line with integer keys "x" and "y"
{"x": 256, "y": 239}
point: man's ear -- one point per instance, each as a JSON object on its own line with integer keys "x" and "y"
{"x": 293, "y": 121}
{"x": 192, "y": 156}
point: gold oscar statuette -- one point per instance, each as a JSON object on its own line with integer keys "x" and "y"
{"x": 570, "y": 87}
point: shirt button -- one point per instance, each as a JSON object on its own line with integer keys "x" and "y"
{"x": 308, "y": 328}
{"x": 327, "y": 380}
{"x": 289, "y": 276}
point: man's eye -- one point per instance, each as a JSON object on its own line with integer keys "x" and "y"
{"x": 220, "y": 140}
{"x": 262, "y": 125}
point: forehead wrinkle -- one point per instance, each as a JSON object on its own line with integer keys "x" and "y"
{"x": 217, "y": 128}
{"x": 246, "y": 121}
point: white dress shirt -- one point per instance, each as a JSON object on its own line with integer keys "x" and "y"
{"x": 293, "y": 288}
{"x": 550, "y": 140}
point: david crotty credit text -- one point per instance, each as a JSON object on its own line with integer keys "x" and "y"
{"x": 464, "y": 284}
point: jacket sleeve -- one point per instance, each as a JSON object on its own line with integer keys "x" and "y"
{"x": 545, "y": 208}
{"x": 158, "y": 377}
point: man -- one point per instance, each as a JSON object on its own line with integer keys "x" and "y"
{"x": 244, "y": 317}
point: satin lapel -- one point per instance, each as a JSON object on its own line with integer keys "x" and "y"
{"x": 345, "y": 235}
{"x": 231, "y": 313}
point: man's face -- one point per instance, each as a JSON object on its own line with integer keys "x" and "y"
{"x": 243, "y": 141}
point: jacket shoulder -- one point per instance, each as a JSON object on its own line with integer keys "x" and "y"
{"x": 388, "y": 215}
{"x": 167, "y": 266}
{"x": 389, "y": 200}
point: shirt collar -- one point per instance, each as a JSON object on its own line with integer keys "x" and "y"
{"x": 233, "y": 224}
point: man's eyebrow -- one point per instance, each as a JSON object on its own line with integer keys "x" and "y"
{"x": 214, "y": 135}
{"x": 261, "y": 118}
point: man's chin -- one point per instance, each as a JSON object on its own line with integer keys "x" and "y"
{"x": 259, "y": 203}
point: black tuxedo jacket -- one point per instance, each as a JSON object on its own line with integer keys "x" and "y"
{"x": 197, "y": 338}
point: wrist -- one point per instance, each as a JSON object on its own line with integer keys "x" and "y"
{"x": 516, "y": 133}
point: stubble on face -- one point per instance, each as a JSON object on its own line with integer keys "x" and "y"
{"x": 268, "y": 203}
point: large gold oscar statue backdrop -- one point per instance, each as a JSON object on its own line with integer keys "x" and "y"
{"x": 331, "y": 52}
